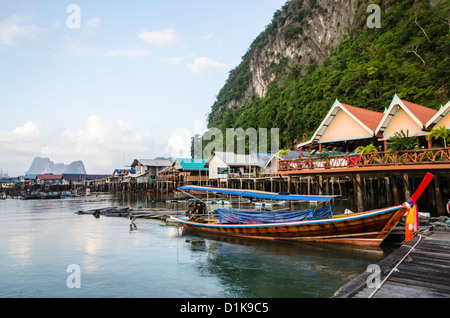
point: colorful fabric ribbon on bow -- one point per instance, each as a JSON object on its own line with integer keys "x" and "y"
{"x": 412, "y": 219}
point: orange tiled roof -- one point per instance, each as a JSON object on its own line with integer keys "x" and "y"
{"x": 422, "y": 113}
{"x": 368, "y": 117}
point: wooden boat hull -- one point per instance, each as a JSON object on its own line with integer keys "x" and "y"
{"x": 367, "y": 228}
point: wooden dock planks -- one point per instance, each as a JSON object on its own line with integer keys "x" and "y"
{"x": 423, "y": 273}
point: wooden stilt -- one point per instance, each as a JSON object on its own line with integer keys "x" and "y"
{"x": 406, "y": 186}
{"x": 359, "y": 193}
{"x": 440, "y": 204}
{"x": 397, "y": 199}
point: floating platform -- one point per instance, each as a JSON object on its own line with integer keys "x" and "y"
{"x": 417, "y": 269}
{"x": 121, "y": 211}
{"x": 45, "y": 195}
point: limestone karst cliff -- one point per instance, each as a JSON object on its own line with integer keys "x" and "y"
{"x": 316, "y": 51}
{"x": 45, "y": 165}
{"x": 301, "y": 33}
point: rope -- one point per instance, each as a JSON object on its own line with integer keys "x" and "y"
{"x": 392, "y": 270}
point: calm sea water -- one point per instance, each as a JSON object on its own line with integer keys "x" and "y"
{"x": 41, "y": 239}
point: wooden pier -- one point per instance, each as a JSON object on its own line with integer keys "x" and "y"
{"x": 401, "y": 167}
{"x": 417, "y": 269}
{"x": 388, "y": 187}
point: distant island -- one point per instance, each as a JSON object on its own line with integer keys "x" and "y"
{"x": 45, "y": 165}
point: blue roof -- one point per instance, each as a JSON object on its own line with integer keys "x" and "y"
{"x": 192, "y": 164}
{"x": 265, "y": 195}
{"x": 7, "y": 179}
{"x": 264, "y": 158}
{"x": 119, "y": 171}
{"x": 29, "y": 176}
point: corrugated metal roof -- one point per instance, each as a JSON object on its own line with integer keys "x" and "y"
{"x": 191, "y": 164}
{"x": 137, "y": 175}
{"x": 29, "y": 176}
{"x": 152, "y": 162}
{"x": 74, "y": 177}
{"x": 82, "y": 177}
{"x": 232, "y": 159}
{"x": 49, "y": 176}
{"x": 7, "y": 180}
{"x": 262, "y": 158}
{"x": 97, "y": 176}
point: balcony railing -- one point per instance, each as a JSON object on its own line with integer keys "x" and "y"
{"x": 373, "y": 159}
{"x": 196, "y": 178}
{"x": 169, "y": 178}
{"x": 182, "y": 178}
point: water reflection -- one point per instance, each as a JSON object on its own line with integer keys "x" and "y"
{"x": 260, "y": 268}
{"x": 39, "y": 239}
{"x": 20, "y": 247}
{"x": 181, "y": 203}
{"x": 246, "y": 267}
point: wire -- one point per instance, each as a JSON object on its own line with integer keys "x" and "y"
{"x": 392, "y": 270}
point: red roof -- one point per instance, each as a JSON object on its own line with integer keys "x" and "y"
{"x": 48, "y": 176}
{"x": 422, "y": 113}
{"x": 368, "y": 117}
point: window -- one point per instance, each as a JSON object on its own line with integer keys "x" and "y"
{"x": 222, "y": 170}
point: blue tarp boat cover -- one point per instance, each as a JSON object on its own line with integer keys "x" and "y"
{"x": 227, "y": 216}
{"x": 265, "y": 195}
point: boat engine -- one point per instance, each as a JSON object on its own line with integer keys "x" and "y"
{"x": 196, "y": 208}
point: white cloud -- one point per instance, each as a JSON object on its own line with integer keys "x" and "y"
{"x": 16, "y": 147}
{"x": 132, "y": 53}
{"x": 15, "y": 32}
{"x": 92, "y": 23}
{"x": 79, "y": 49}
{"x": 179, "y": 143}
{"x": 88, "y": 28}
{"x": 28, "y": 132}
{"x": 161, "y": 39}
{"x": 77, "y": 43}
{"x": 208, "y": 36}
{"x": 204, "y": 64}
{"x": 172, "y": 60}
{"x": 99, "y": 143}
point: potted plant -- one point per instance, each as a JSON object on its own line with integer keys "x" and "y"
{"x": 440, "y": 132}
{"x": 401, "y": 142}
{"x": 324, "y": 154}
{"x": 363, "y": 150}
{"x": 443, "y": 133}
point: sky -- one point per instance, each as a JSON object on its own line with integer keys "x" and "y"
{"x": 107, "y": 82}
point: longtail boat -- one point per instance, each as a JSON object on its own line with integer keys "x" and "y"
{"x": 362, "y": 228}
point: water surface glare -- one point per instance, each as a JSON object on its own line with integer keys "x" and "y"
{"x": 39, "y": 239}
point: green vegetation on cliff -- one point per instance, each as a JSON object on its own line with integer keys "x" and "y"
{"x": 408, "y": 56}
